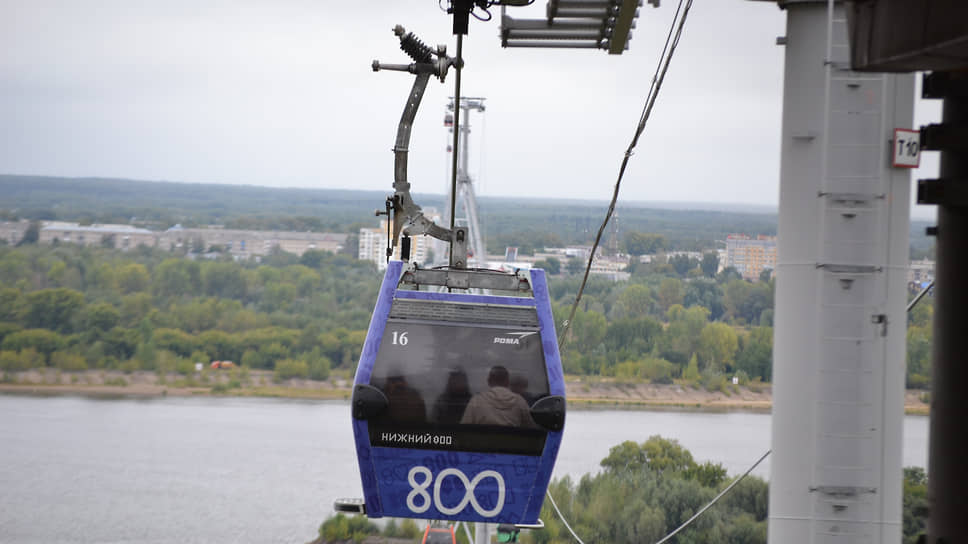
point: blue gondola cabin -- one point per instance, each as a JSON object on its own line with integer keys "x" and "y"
{"x": 458, "y": 404}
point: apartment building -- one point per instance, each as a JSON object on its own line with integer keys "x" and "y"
{"x": 245, "y": 244}
{"x": 751, "y": 256}
{"x": 239, "y": 243}
{"x": 12, "y": 232}
{"x": 117, "y": 236}
{"x": 373, "y": 247}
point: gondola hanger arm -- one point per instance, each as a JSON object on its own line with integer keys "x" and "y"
{"x": 408, "y": 217}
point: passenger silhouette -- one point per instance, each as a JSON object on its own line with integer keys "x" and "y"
{"x": 449, "y": 406}
{"x": 406, "y": 405}
{"x": 519, "y": 385}
{"x": 498, "y": 405}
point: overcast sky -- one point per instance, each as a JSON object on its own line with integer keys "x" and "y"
{"x": 281, "y": 93}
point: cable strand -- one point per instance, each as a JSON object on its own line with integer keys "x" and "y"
{"x": 672, "y": 40}
{"x": 716, "y": 498}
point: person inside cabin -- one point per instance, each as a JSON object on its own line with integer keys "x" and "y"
{"x": 498, "y": 405}
{"x": 519, "y": 385}
{"x": 449, "y": 406}
{"x": 405, "y": 403}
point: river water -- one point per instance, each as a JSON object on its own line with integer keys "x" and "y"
{"x": 182, "y": 470}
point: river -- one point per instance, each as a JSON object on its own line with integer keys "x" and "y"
{"x": 182, "y": 470}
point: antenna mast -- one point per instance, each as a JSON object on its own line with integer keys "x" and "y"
{"x": 465, "y": 185}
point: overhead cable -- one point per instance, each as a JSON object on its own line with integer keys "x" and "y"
{"x": 672, "y": 40}
{"x": 715, "y": 499}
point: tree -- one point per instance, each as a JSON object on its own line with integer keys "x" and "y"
{"x": 175, "y": 278}
{"x": 11, "y": 304}
{"x": 636, "y": 300}
{"x": 575, "y": 265}
{"x": 918, "y": 375}
{"x": 681, "y": 338}
{"x": 915, "y": 505}
{"x": 314, "y": 258}
{"x": 709, "y": 264}
{"x": 551, "y": 265}
{"x": 683, "y": 264}
{"x": 31, "y": 235}
{"x": 746, "y": 301}
{"x": 756, "y": 353}
{"x": 691, "y": 373}
{"x": 705, "y": 293}
{"x": 669, "y": 293}
{"x": 656, "y": 454}
{"x": 133, "y": 278}
{"x": 641, "y": 243}
{"x": 223, "y": 280}
{"x": 176, "y": 341}
{"x": 922, "y": 313}
{"x": 632, "y": 337}
{"x": 717, "y": 346}
{"x": 100, "y": 317}
{"x": 52, "y": 309}
{"x": 588, "y": 330}
{"x": 41, "y": 340}
{"x": 727, "y": 275}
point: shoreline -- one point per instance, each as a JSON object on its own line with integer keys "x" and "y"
{"x": 584, "y": 393}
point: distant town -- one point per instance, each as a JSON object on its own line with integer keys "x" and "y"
{"x": 753, "y": 257}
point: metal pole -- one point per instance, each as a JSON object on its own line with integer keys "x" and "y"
{"x": 453, "y": 170}
{"x": 838, "y": 368}
{"x": 481, "y": 533}
{"x": 947, "y": 465}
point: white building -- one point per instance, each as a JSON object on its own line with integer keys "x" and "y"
{"x": 921, "y": 271}
{"x": 13, "y": 232}
{"x": 373, "y": 244}
{"x": 116, "y": 236}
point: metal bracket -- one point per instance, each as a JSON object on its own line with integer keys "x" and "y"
{"x": 943, "y": 84}
{"x": 947, "y": 192}
{"x": 944, "y": 137}
{"x": 467, "y": 279}
{"x": 458, "y": 247}
{"x": 850, "y": 200}
{"x": 350, "y": 506}
{"x": 536, "y": 526}
{"x": 880, "y": 319}
{"x": 849, "y": 268}
{"x": 408, "y": 218}
{"x": 842, "y": 491}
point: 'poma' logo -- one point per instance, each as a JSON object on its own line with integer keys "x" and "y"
{"x": 513, "y": 338}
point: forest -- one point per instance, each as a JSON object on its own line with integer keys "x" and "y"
{"x": 70, "y": 307}
{"x": 75, "y": 308}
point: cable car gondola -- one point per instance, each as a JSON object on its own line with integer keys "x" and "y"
{"x": 459, "y": 401}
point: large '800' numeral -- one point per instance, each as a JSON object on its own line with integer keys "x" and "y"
{"x": 419, "y": 491}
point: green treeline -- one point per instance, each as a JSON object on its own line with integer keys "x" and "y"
{"x": 644, "y": 492}
{"x": 73, "y": 307}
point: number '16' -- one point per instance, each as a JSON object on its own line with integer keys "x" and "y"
{"x": 400, "y": 338}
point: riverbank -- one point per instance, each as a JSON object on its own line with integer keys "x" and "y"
{"x": 589, "y": 392}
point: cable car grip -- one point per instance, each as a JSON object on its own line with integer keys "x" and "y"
{"x": 408, "y": 217}
{"x": 457, "y": 278}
